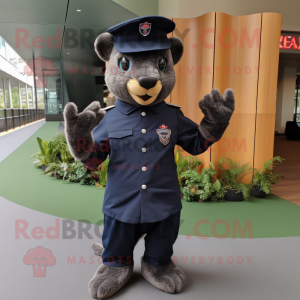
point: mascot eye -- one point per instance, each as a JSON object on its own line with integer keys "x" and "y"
{"x": 162, "y": 63}
{"x": 124, "y": 64}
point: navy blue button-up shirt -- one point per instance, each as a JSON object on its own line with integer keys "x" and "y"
{"x": 142, "y": 183}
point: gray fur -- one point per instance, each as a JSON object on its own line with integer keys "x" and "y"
{"x": 217, "y": 113}
{"x": 169, "y": 279}
{"x": 176, "y": 49}
{"x": 143, "y": 64}
{"x": 80, "y": 126}
{"x": 98, "y": 249}
{"x": 109, "y": 280}
{"x": 104, "y": 44}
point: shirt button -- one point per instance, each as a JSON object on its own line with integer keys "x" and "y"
{"x": 143, "y": 114}
{"x": 144, "y": 169}
{"x": 144, "y": 150}
{"x": 144, "y": 130}
{"x": 144, "y": 186}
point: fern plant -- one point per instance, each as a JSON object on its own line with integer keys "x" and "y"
{"x": 202, "y": 187}
{"x": 55, "y": 168}
{"x": 232, "y": 173}
{"x": 184, "y": 164}
{"x": 59, "y": 138}
{"x": 76, "y": 172}
{"x": 39, "y": 159}
{"x": 266, "y": 177}
{"x": 63, "y": 153}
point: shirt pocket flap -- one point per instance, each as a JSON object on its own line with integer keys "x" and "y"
{"x": 118, "y": 134}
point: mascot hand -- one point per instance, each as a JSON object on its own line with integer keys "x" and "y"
{"x": 217, "y": 112}
{"x": 78, "y": 128}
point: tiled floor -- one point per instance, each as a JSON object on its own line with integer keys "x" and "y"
{"x": 288, "y": 188}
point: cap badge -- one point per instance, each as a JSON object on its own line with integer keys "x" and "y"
{"x": 164, "y": 134}
{"x": 145, "y": 28}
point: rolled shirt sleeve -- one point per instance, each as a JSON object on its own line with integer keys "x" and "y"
{"x": 189, "y": 136}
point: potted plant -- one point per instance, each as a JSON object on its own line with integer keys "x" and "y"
{"x": 202, "y": 186}
{"x": 231, "y": 175}
{"x": 264, "y": 179}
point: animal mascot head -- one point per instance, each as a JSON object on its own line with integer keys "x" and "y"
{"x": 139, "y": 133}
{"x": 141, "y": 59}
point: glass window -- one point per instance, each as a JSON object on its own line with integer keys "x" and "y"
{"x": 1, "y": 99}
{"x": 53, "y": 94}
{"x": 2, "y": 47}
{"x": 12, "y": 56}
{"x": 9, "y": 53}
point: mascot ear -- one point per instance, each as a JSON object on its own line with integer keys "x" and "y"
{"x": 104, "y": 45}
{"x": 176, "y": 49}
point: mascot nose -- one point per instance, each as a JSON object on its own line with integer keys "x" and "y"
{"x": 147, "y": 82}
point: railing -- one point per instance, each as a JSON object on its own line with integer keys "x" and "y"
{"x": 12, "y": 118}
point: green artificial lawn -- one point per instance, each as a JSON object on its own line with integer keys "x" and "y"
{"x": 26, "y": 185}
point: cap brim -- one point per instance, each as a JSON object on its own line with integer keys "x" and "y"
{"x": 142, "y": 46}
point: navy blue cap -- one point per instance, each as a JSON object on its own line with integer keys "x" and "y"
{"x": 142, "y": 34}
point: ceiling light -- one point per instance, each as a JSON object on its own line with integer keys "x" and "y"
{"x": 78, "y": 9}
{"x": 68, "y": 53}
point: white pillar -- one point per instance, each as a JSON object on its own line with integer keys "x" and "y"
{"x": 20, "y": 96}
{"x": 26, "y": 92}
{"x": 9, "y": 94}
{"x": 4, "y": 92}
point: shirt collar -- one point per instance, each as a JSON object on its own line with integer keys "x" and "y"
{"x": 127, "y": 108}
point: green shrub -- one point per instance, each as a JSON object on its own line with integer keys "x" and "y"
{"x": 103, "y": 173}
{"x": 47, "y": 153}
{"x": 76, "y": 172}
{"x": 59, "y": 138}
{"x": 63, "y": 152}
{"x": 202, "y": 187}
{"x": 57, "y": 150}
{"x": 184, "y": 164}
{"x": 55, "y": 168}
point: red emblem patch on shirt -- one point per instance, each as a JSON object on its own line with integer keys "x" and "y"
{"x": 164, "y": 134}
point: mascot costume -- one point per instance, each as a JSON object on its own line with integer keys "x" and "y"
{"x": 139, "y": 133}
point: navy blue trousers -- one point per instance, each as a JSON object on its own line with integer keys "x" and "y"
{"x": 119, "y": 240}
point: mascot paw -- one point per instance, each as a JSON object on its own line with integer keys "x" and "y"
{"x": 108, "y": 280}
{"x": 217, "y": 112}
{"x": 169, "y": 279}
{"x": 98, "y": 249}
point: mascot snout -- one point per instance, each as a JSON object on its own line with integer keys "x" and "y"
{"x": 145, "y": 90}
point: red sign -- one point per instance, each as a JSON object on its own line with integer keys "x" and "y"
{"x": 289, "y": 42}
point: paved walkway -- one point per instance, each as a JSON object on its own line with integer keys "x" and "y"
{"x": 225, "y": 269}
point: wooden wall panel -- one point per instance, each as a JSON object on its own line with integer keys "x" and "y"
{"x": 267, "y": 87}
{"x": 194, "y": 72}
{"x": 168, "y": 99}
{"x": 235, "y": 67}
{"x": 243, "y": 45}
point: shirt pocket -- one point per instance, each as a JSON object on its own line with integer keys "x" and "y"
{"x": 119, "y": 134}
